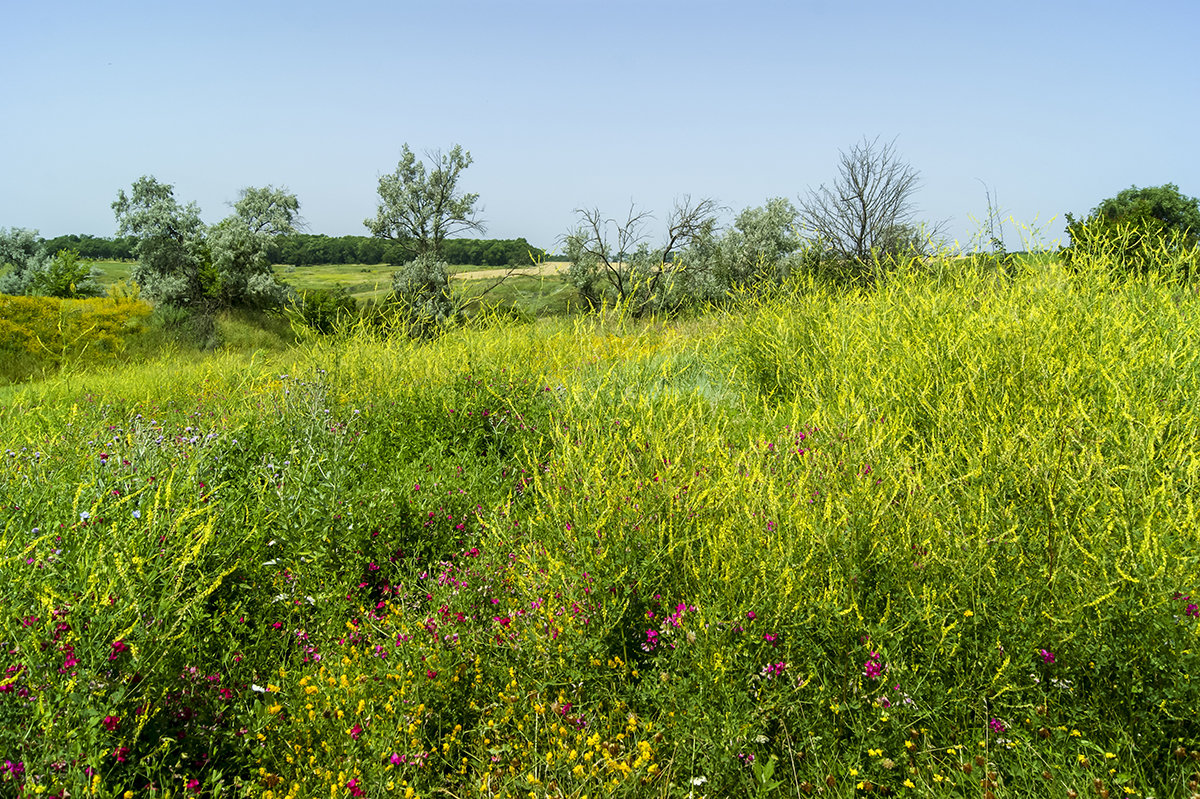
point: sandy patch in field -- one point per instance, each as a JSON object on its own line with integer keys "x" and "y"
{"x": 548, "y": 268}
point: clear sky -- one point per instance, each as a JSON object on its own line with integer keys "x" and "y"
{"x": 565, "y": 104}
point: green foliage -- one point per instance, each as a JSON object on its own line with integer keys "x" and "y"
{"x": 21, "y": 258}
{"x": 421, "y": 206}
{"x": 421, "y": 297}
{"x": 183, "y": 263}
{"x": 41, "y": 335}
{"x": 65, "y": 276}
{"x": 1136, "y": 229}
{"x": 934, "y": 538}
{"x": 326, "y": 310}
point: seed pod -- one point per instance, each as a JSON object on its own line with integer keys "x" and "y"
{"x": 1180, "y": 753}
{"x": 1041, "y": 710}
{"x": 1098, "y": 784}
{"x": 1072, "y": 793}
{"x": 1044, "y": 733}
{"x": 1047, "y": 776}
{"x": 980, "y": 761}
{"x": 966, "y": 768}
{"x": 830, "y": 781}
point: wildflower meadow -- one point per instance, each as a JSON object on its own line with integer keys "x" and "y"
{"x": 934, "y": 537}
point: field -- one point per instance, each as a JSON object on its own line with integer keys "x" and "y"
{"x": 938, "y": 538}
{"x": 535, "y": 290}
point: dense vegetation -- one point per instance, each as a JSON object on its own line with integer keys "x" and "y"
{"x": 305, "y": 249}
{"x": 932, "y": 538}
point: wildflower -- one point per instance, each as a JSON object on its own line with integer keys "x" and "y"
{"x": 356, "y": 731}
{"x": 872, "y": 669}
{"x": 997, "y": 725}
{"x": 193, "y": 785}
{"x": 1193, "y": 610}
{"x": 111, "y": 723}
{"x": 84, "y": 516}
{"x": 354, "y": 789}
{"x": 1047, "y": 657}
{"x": 118, "y": 648}
{"x": 750, "y": 615}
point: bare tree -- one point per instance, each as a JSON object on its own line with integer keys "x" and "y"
{"x": 611, "y": 257}
{"x": 868, "y": 212}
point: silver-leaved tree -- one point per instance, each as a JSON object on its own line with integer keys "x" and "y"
{"x": 186, "y": 264}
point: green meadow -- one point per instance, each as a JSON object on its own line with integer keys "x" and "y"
{"x": 933, "y": 538}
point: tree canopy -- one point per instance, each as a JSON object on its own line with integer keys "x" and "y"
{"x": 421, "y": 205}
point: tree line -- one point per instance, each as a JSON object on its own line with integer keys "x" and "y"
{"x": 308, "y": 249}
{"x": 305, "y": 249}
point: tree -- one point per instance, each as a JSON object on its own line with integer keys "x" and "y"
{"x": 21, "y": 258}
{"x": 421, "y": 205}
{"x": 1137, "y": 230}
{"x": 868, "y": 212}
{"x": 756, "y": 249}
{"x": 173, "y": 260}
{"x": 240, "y": 245}
{"x": 613, "y": 260}
{"x": 184, "y": 263}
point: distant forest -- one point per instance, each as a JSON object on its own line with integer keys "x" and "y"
{"x": 303, "y": 249}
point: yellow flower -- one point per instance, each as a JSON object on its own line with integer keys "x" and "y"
{"x": 909, "y": 784}
{"x": 968, "y": 613}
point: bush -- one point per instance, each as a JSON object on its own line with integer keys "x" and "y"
{"x": 1138, "y": 230}
{"x": 325, "y": 310}
{"x": 41, "y": 334}
{"x": 421, "y": 296}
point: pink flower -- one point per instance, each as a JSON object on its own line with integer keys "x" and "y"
{"x": 356, "y": 731}
{"x": 750, "y": 615}
{"x": 118, "y": 648}
{"x": 1193, "y": 610}
{"x": 111, "y": 723}
{"x": 193, "y": 785}
{"x": 352, "y": 786}
{"x": 997, "y": 725}
{"x": 1047, "y": 657}
{"x": 872, "y": 669}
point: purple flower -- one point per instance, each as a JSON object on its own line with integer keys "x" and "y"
{"x": 997, "y": 725}
{"x": 1193, "y": 610}
{"x": 1047, "y": 657}
{"x": 872, "y": 668}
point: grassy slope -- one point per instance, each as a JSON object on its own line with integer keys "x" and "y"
{"x": 913, "y": 537}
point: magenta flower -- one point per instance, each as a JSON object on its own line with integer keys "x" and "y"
{"x": 352, "y": 786}
{"x": 1047, "y": 657}
{"x": 193, "y": 785}
{"x": 873, "y": 669}
{"x": 111, "y": 723}
{"x": 118, "y": 648}
{"x": 356, "y": 731}
{"x": 997, "y": 725}
{"x": 1193, "y": 610}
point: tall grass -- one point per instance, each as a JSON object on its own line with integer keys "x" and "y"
{"x": 936, "y": 538}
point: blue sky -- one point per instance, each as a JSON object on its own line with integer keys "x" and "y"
{"x": 569, "y": 104}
